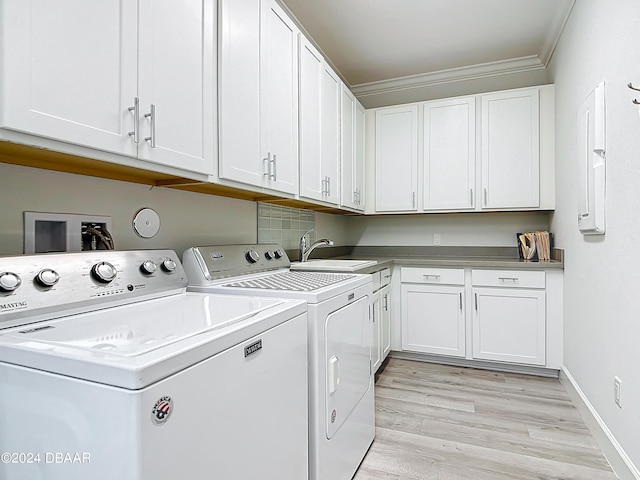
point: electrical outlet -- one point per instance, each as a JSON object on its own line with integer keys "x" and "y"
{"x": 617, "y": 391}
{"x": 437, "y": 239}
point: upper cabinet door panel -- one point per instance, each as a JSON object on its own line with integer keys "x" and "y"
{"x": 239, "y": 92}
{"x": 311, "y": 68}
{"x": 347, "y": 149}
{"x": 449, "y": 154}
{"x": 396, "y": 158}
{"x": 279, "y": 97}
{"x": 331, "y": 86}
{"x": 511, "y": 149}
{"x": 176, "y": 76}
{"x": 69, "y": 71}
{"x": 359, "y": 154}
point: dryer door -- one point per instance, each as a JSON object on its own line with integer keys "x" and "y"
{"x": 348, "y": 335}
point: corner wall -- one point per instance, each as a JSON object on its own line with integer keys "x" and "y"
{"x": 602, "y": 274}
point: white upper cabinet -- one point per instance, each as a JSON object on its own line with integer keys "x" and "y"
{"x": 90, "y": 74}
{"x": 176, "y": 83}
{"x": 258, "y": 95}
{"x": 319, "y": 126}
{"x": 449, "y": 143}
{"x": 396, "y": 158}
{"x": 352, "y": 152}
{"x": 511, "y": 149}
{"x": 70, "y": 71}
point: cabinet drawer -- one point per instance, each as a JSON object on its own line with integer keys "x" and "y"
{"x": 507, "y": 278}
{"x": 445, "y": 276}
{"x": 385, "y": 277}
{"x": 376, "y": 279}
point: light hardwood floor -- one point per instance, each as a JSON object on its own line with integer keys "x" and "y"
{"x": 436, "y": 422}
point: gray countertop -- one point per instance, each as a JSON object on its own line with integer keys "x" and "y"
{"x": 459, "y": 262}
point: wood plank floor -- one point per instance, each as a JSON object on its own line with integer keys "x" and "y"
{"x": 437, "y": 422}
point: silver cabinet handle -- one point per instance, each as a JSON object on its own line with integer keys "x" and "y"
{"x": 273, "y": 163}
{"x": 386, "y": 303}
{"x": 428, "y": 276}
{"x": 485, "y": 197}
{"x": 413, "y": 199}
{"x": 328, "y": 186}
{"x": 504, "y": 279}
{"x": 471, "y": 197}
{"x": 476, "y": 296}
{"x": 324, "y": 186}
{"x": 136, "y": 120}
{"x": 152, "y": 117}
{"x": 460, "y": 293}
{"x": 266, "y": 166}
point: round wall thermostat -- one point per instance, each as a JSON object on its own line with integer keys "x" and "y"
{"x": 146, "y": 223}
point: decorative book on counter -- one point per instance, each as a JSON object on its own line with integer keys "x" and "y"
{"x": 535, "y": 246}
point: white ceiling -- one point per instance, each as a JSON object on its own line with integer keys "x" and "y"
{"x": 380, "y": 44}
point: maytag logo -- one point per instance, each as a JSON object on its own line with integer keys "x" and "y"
{"x": 216, "y": 255}
{"x": 9, "y": 307}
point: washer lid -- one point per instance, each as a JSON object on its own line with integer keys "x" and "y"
{"x": 134, "y": 330}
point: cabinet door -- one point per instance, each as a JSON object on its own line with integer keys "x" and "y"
{"x": 433, "y": 319}
{"x": 176, "y": 79}
{"x": 396, "y": 158}
{"x": 330, "y": 149}
{"x": 509, "y": 325}
{"x": 311, "y": 69}
{"x": 385, "y": 321}
{"x": 511, "y": 149}
{"x": 376, "y": 353}
{"x": 240, "y": 157}
{"x": 69, "y": 71}
{"x": 347, "y": 149}
{"x": 359, "y": 172}
{"x": 449, "y": 154}
{"x": 279, "y": 97}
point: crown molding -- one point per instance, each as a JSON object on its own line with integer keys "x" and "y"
{"x": 555, "y": 31}
{"x": 472, "y": 72}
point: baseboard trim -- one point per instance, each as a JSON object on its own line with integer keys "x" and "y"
{"x": 484, "y": 365}
{"x": 617, "y": 457}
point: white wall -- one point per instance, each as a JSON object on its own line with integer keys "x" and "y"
{"x": 460, "y": 229}
{"x": 186, "y": 218}
{"x": 601, "y": 41}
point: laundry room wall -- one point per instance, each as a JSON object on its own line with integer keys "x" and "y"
{"x": 186, "y": 218}
{"x": 602, "y": 273}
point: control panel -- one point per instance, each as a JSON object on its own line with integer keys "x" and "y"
{"x": 221, "y": 261}
{"x": 34, "y": 286}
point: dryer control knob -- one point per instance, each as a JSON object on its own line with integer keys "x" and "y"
{"x": 104, "y": 272}
{"x": 269, "y": 254}
{"x": 9, "y": 281}
{"x": 47, "y": 277}
{"x": 148, "y": 267}
{"x": 280, "y": 253}
{"x": 252, "y": 256}
{"x": 169, "y": 265}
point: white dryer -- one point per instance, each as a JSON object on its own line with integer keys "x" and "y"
{"x": 340, "y": 332}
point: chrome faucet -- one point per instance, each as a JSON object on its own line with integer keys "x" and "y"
{"x": 306, "y": 251}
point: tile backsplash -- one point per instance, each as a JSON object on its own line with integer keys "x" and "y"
{"x": 284, "y": 225}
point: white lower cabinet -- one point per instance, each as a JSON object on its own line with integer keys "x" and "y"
{"x": 381, "y": 313}
{"x": 433, "y": 319}
{"x": 505, "y": 322}
{"x": 385, "y": 321}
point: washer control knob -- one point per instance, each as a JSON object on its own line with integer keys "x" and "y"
{"x": 279, "y": 253}
{"x": 104, "y": 272}
{"x": 168, "y": 265}
{"x": 9, "y": 281}
{"x": 269, "y": 254}
{"x": 252, "y": 256}
{"x": 47, "y": 277}
{"x": 148, "y": 267}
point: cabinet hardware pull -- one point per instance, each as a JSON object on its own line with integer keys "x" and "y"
{"x": 328, "y": 186}
{"x": 513, "y": 279}
{"x": 273, "y": 162}
{"x": 428, "y": 276}
{"x": 413, "y": 199}
{"x": 386, "y": 303}
{"x": 471, "y": 197}
{"x": 485, "y": 197}
{"x": 476, "y": 297}
{"x": 152, "y": 117}
{"x": 460, "y": 293}
{"x": 266, "y": 165}
{"x": 136, "y": 120}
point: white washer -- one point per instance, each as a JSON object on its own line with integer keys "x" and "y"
{"x": 110, "y": 369}
{"x": 341, "y": 397}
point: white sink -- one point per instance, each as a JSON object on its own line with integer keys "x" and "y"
{"x": 331, "y": 265}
